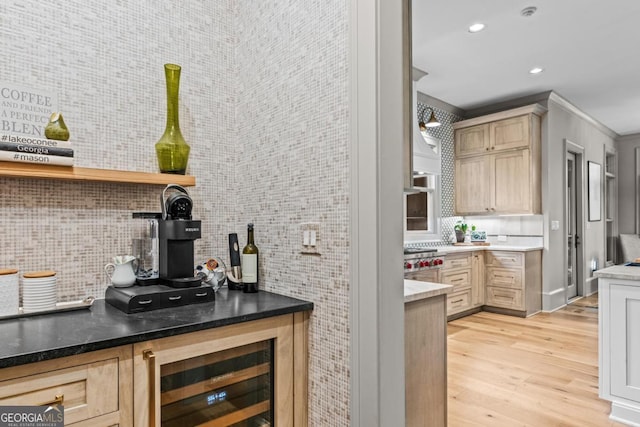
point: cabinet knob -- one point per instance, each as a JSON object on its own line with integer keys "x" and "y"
{"x": 493, "y": 148}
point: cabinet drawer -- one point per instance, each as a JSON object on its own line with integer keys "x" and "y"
{"x": 88, "y": 390}
{"x": 504, "y": 259}
{"x": 504, "y": 277}
{"x": 459, "y": 279}
{"x": 457, "y": 261}
{"x": 458, "y": 302}
{"x": 504, "y": 297}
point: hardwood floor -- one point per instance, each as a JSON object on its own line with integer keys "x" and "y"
{"x": 541, "y": 371}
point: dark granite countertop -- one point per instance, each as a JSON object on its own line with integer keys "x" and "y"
{"x": 36, "y": 338}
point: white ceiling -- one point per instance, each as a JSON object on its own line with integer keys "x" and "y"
{"x": 590, "y": 50}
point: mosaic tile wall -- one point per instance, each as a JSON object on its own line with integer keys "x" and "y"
{"x": 294, "y": 143}
{"x": 445, "y": 134}
{"x": 264, "y": 106}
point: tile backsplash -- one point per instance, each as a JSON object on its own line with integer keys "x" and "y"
{"x": 264, "y": 105}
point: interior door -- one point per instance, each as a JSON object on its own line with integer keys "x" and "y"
{"x": 571, "y": 226}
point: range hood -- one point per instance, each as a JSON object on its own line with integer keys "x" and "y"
{"x": 425, "y": 148}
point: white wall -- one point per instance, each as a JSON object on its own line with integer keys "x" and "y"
{"x": 627, "y": 188}
{"x": 559, "y": 124}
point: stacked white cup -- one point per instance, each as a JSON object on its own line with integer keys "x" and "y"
{"x": 39, "y": 291}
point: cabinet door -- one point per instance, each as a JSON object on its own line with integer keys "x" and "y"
{"x": 472, "y": 140}
{"x": 511, "y": 182}
{"x": 472, "y": 185}
{"x": 625, "y": 345}
{"x": 511, "y": 133}
{"x": 477, "y": 279}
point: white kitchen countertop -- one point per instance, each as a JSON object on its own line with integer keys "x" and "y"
{"x": 415, "y": 290}
{"x": 451, "y": 249}
{"x": 618, "y": 272}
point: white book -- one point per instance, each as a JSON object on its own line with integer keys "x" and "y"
{"x": 42, "y": 159}
{"x": 28, "y": 140}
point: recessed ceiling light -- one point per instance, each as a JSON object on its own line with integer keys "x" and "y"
{"x": 476, "y": 28}
{"x": 536, "y": 70}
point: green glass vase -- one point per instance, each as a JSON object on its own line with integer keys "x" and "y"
{"x": 171, "y": 149}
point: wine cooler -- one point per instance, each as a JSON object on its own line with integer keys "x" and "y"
{"x": 236, "y": 375}
{"x": 228, "y": 388}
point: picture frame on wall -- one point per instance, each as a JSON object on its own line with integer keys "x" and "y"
{"x": 594, "y": 191}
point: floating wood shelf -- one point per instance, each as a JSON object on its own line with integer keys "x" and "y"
{"x": 69, "y": 173}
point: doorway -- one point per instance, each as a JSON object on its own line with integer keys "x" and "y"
{"x": 574, "y": 220}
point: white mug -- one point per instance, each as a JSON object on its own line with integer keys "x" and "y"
{"x": 121, "y": 272}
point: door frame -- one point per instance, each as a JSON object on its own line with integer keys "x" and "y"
{"x": 381, "y": 119}
{"x": 579, "y": 152}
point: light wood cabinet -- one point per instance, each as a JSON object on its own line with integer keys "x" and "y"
{"x": 503, "y": 134}
{"x": 472, "y": 140}
{"x": 227, "y": 389}
{"x": 477, "y": 278}
{"x": 497, "y": 163}
{"x": 425, "y": 358}
{"x": 511, "y": 133}
{"x": 461, "y": 270}
{"x": 98, "y": 388}
{"x": 95, "y": 388}
{"x": 456, "y": 272}
{"x": 513, "y": 281}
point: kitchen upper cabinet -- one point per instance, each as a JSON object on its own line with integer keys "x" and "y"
{"x": 510, "y": 133}
{"x": 472, "y": 140}
{"x": 503, "y": 134}
{"x": 511, "y": 190}
{"x": 473, "y": 184}
{"x": 497, "y": 163}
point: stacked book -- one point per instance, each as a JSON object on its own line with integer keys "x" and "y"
{"x": 27, "y": 149}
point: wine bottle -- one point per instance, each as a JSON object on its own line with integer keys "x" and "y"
{"x": 250, "y": 263}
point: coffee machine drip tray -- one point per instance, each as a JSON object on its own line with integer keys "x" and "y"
{"x": 136, "y": 299}
{"x": 183, "y": 282}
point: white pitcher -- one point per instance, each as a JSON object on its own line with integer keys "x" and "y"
{"x": 122, "y": 271}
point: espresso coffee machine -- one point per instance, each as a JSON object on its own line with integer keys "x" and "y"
{"x": 176, "y": 234}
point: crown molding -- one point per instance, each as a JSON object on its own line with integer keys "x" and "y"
{"x": 441, "y": 105}
{"x": 634, "y": 137}
{"x": 536, "y": 109}
{"x": 568, "y": 106}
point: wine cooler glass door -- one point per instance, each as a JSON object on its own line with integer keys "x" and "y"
{"x": 228, "y": 388}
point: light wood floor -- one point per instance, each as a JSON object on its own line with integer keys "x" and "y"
{"x": 541, "y": 371}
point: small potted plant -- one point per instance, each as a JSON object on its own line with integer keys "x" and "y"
{"x": 461, "y": 230}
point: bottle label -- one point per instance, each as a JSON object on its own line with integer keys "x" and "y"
{"x": 250, "y": 268}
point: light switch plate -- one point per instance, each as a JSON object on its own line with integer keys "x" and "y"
{"x": 555, "y": 225}
{"x": 310, "y": 238}
{"x": 502, "y": 238}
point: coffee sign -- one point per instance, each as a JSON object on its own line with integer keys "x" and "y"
{"x": 24, "y": 111}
